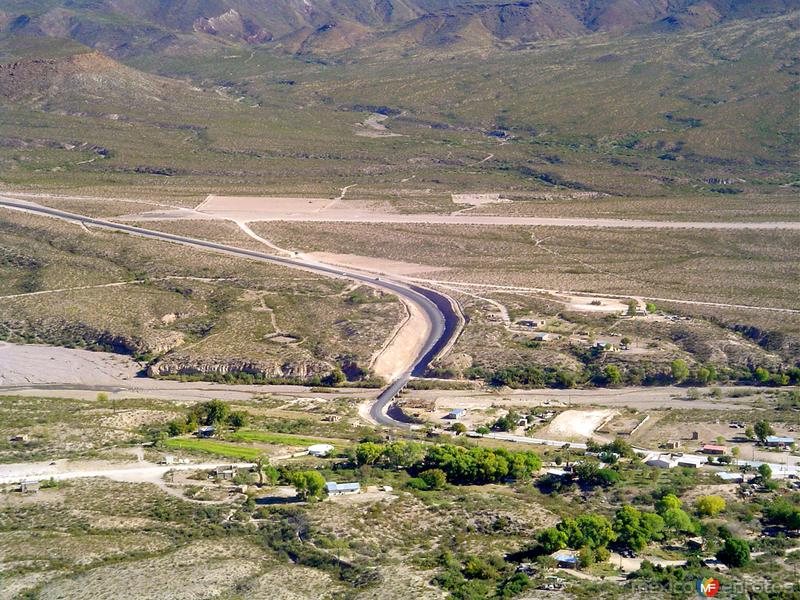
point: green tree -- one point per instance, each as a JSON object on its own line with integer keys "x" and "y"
{"x": 651, "y": 308}
{"x": 309, "y": 484}
{"x": 677, "y": 521}
{"x": 763, "y": 430}
{"x": 632, "y": 306}
{"x": 653, "y": 525}
{"x": 586, "y": 557}
{"x": 680, "y": 370}
{"x": 266, "y": 471}
{"x": 403, "y": 454}
{"x": 667, "y": 502}
{"x": 551, "y": 539}
{"x": 237, "y": 419}
{"x": 782, "y": 512}
{"x": 459, "y": 428}
{"x": 734, "y": 553}
{"x": 334, "y": 378}
{"x": 628, "y": 528}
{"x": 368, "y": 453}
{"x": 765, "y": 472}
{"x": 612, "y": 375}
{"x": 588, "y": 530}
{"x": 435, "y": 479}
{"x": 709, "y": 506}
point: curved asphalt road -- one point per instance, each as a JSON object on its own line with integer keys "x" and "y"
{"x": 435, "y": 306}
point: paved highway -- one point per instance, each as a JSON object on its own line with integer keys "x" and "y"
{"x": 436, "y": 307}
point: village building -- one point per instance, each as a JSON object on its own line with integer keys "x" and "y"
{"x": 661, "y": 461}
{"x": 779, "y": 441}
{"x": 320, "y": 450}
{"x": 342, "y": 489}
{"x": 692, "y": 462}
{"x": 456, "y": 414}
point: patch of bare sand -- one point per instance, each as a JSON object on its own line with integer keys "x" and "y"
{"x": 36, "y": 364}
{"x": 576, "y": 424}
{"x": 275, "y": 205}
{"x": 405, "y": 344}
{"x": 374, "y": 265}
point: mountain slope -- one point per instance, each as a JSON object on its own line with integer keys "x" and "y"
{"x": 127, "y": 27}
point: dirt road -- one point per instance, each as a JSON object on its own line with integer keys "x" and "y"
{"x": 135, "y": 472}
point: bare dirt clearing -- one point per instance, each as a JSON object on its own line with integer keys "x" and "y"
{"x": 374, "y": 265}
{"x": 35, "y": 364}
{"x": 572, "y": 424}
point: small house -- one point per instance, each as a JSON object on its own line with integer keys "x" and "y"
{"x": 605, "y": 346}
{"x": 543, "y": 336}
{"x": 320, "y": 450}
{"x": 29, "y": 486}
{"x": 714, "y": 449}
{"x": 531, "y": 323}
{"x": 228, "y": 472}
{"x": 779, "y": 441}
{"x": 730, "y": 477}
{"x": 456, "y": 414}
{"x": 673, "y": 444}
{"x": 342, "y": 489}
{"x": 206, "y": 431}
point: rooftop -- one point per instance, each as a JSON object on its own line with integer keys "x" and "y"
{"x": 332, "y": 486}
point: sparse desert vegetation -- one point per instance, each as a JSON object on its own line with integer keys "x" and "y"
{"x": 436, "y": 300}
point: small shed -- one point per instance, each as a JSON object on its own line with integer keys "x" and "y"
{"x": 29, "y": 486}
{"x": 206, "y": 431}
{"x": 714, "y": 449}
{"x": 565, "y": 559}
{"x": 532, "y": 323}
{"x": 456, "y": 414}
{"x": 20, "y": 437}
{"x": 730, "y": 477}
{"x": 341, "y": 489}
{"x": 227, "y": 472}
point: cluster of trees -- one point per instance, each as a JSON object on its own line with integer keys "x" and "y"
{"x": 784, "y": 512}
{"x": 213, "y": 412}
{"x": 630, "y": 527}
{"x": 480, "y": 465}
{"x": 395, "y": 454}
{"x": 527, "y": 376}
{"x": 444, "y": 463}
{"x": 530, "y": 376}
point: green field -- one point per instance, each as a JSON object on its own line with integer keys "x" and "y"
{"x": 214, "y": 447}
{"x": 277, "y": 438}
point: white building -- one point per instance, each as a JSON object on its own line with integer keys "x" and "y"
{"x": 341, "y": 489}
{"x": 320, "y": 450}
